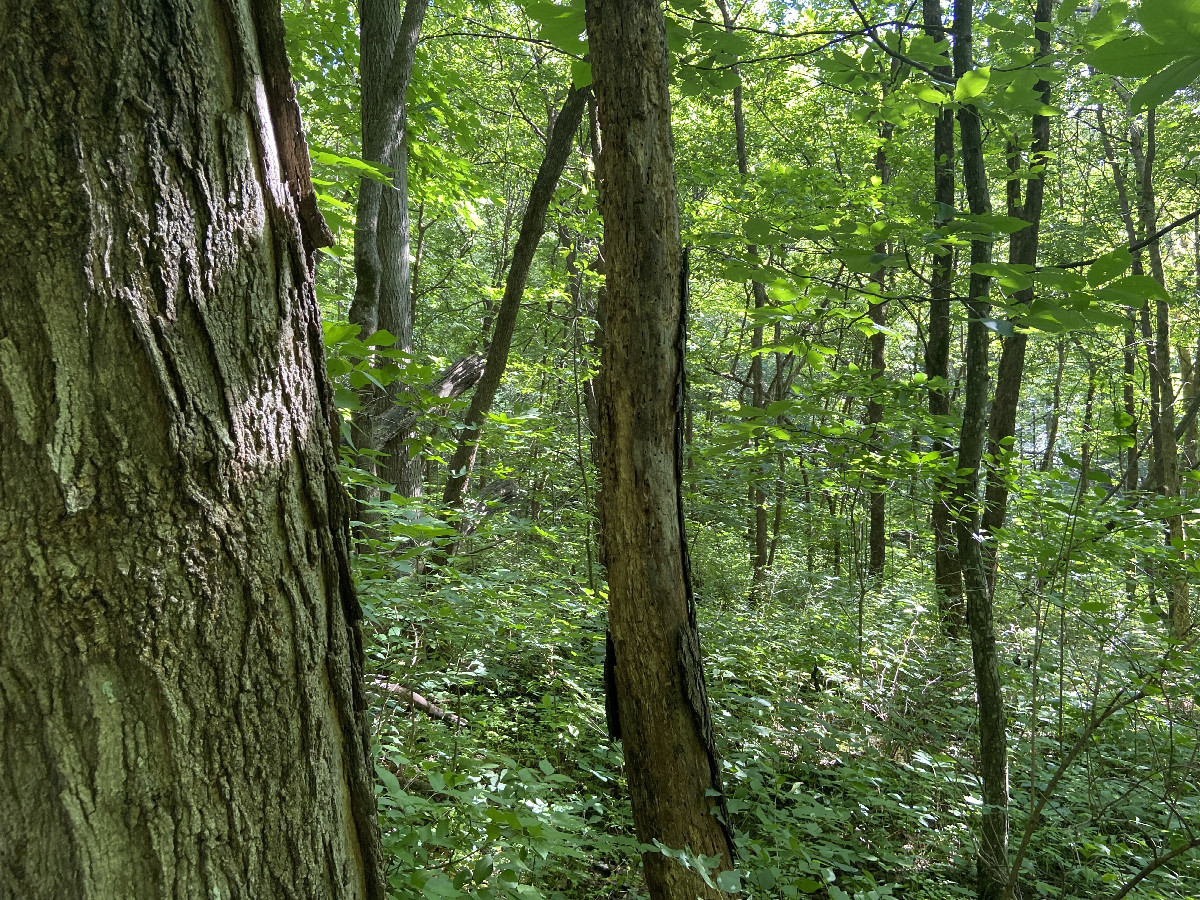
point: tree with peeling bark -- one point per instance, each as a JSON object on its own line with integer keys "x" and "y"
{"x": 671, "y": 760}
{"x": 181, "y": 706}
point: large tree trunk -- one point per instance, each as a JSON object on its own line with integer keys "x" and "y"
{"x": 181, "y": 707}
{"x": 670, "y": 757}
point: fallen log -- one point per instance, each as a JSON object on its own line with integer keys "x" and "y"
{"x": 430, "y": 708}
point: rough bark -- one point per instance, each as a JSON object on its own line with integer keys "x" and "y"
{"x": 181, "y": 706}
{"x": 947, "y": 576}
{"x": 670, "y": 757}
{"x": 533, "y": 225}
{"x": 992, "y": 856}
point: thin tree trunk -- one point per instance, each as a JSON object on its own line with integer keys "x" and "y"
{"x": 1187, "y": 378}
{"x": 533, "y": 225}
{"x": 670, "y": 754}
{"x": 1055, "y": 409}
{"x": 877, "y": 512}
{"x": 947, "y": 574}
{"x": 1022, "y": 251}
{"x": 759, "y": 552}
{"x": 1162, "y": 388}
{"x": 182, "y": 711}
{"x": 992, "y": 858}
{"x": 1130, "y": 349}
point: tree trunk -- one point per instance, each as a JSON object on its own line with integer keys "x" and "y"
{"x": 181, "y": 703}
{"x": 877, "y": 511}
{"x": 1022, "y": 251}
{"x": 1047, "y": 462}
{"x": 533, "y": 225}
{"x": 1162, "y": 389}
{"x": 670, "y": 755}
{"x": 383, "y": 276}
{"x": 992, "y": 857}
{"x": 759, "y": 552}
{"x": 947, "y": 576}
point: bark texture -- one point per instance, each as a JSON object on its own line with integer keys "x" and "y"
{"x": 670, "y": 757}
{"x": 181, "y": 710}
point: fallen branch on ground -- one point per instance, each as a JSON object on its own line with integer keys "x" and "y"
{"x": 430, "y": 708}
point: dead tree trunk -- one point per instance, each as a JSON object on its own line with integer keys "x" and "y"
{"x": 662, "y": 710}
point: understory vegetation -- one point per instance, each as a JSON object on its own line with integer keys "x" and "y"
{"x": 856, "y": 782}
{"x": 824, "y": 431}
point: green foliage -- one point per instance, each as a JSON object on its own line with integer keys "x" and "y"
{"x": 868, "y": 788}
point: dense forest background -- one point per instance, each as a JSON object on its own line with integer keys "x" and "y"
{"x": 940, "y": 428}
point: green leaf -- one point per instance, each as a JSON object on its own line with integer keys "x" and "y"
{"x": 930, "y": 94}
{"x": 758, "y": 230}
{"x": 1109, "y": 266}
{"x": 730, "y": 881}
{"x": 337, "y": 334}
{"x": 923, "y": 49}
{"x": 984, "y": 225}
{"x": 1136, "y": 56}
{"x": 972, "y": 84}
{"x": 390, "y": 783}
{"x": 1012, "y": 277}
{"x": 1061, "y": 279}
{"x": 377, "y": 171}
{"x": 381, "y": 338}
{"x": 1161, "y": 86}
{"x": 560, "y": 25}
{"x": 344, "y": 398}
{"x": 1174, "y": 23}
{"x": 1135, "y": 290}
{"x": 581, "y": 73}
